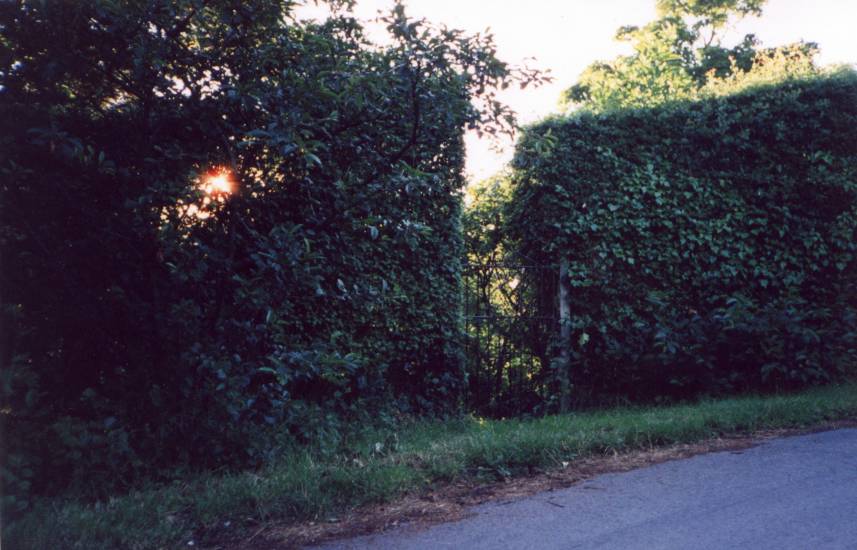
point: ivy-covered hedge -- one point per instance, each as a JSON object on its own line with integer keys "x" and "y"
{"x": 711, "y": 245}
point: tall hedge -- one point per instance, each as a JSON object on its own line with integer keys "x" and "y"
{"x": 711, "y": 244}
{"x": 149, "y": 325}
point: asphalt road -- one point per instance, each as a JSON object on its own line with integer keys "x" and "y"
{"x": 796, "y": 492}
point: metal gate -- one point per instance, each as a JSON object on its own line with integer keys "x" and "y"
{"x": 511, "y": 324}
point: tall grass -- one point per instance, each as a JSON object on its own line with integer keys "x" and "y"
{"x": 381, "y": 465}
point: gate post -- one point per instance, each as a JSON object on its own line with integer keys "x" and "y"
{"x": 565, "y": 338}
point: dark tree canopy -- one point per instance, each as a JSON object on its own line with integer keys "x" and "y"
{"x": 148, "y": 322}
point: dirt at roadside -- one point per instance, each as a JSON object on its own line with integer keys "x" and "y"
{"x": 453, "y": 502}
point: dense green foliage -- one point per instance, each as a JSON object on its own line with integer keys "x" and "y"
{"x": 711, "y": 244}
{"x": 155, "y": 324}
{"x": 680, "y": 55}
{"x": 508, "y": 337}
{"x": 381, "y": 465}
{"x": 149, "y": 324}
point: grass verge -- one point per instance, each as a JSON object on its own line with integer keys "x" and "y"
{"x": 382, "y": 466}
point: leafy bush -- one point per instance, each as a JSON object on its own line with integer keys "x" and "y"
{"x": 711, "y": 245}
{"x": 151, "y": 324}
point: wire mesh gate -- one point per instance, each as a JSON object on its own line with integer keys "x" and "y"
{"x": 511, "y": 322}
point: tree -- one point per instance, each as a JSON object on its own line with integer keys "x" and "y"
{"x": 674, "y": 56}
{"x": 144, "y": 313}
{"x": 770, "y": 66}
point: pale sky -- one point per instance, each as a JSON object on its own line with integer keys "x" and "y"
{"x": 564, "y": 36}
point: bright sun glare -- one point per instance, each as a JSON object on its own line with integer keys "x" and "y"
{"x": 218, "y": 183}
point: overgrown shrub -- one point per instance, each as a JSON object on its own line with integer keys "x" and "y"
{"x": 711, "y": 244}
{"x": 151, "y": 324}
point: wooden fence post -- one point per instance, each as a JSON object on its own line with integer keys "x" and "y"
{"x": 565, "y": 338}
